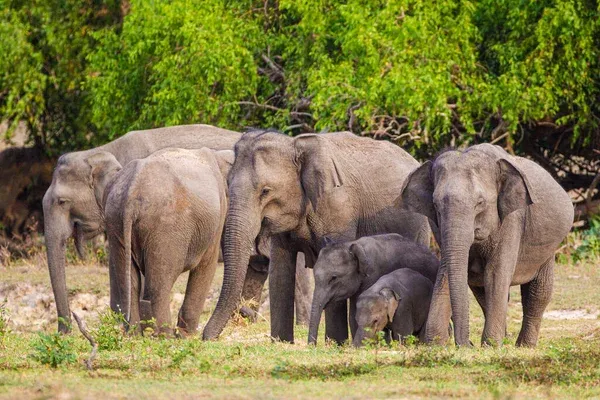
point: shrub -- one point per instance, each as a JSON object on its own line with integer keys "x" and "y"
{"x": 53, "y": 349}
{"x": 110, "y": 333}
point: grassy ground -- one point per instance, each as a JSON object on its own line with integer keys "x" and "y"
{"x": 244, "y": 363}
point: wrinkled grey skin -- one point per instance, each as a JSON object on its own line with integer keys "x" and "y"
{"x": 345, "y": 270}
{"x": 297, "y": 191}
{"x": 72, "y": 203}
{"x": 398, "y": 301}
{"x": 498, "y": 220}
{"x": 166, "y": 212}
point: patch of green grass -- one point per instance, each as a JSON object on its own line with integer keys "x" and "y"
{"x": 245, "y": 363}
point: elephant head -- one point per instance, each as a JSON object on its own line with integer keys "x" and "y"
{"x": 374, "y": 311}
{"x": 466, "y": 196}
{"x": 339, "y": 274}
{"x": 72, "y": 207}
{"x": 273, "y": 181}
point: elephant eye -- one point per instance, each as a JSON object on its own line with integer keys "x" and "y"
{"x": 333, "y": 278}
{"x": 62, "y": 202}
{"x": 265, "y": 191}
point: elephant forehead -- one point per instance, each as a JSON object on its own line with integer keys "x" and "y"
{"x": 70, "y": 173}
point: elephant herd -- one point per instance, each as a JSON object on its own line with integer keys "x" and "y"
{"x": 357, "y": 211}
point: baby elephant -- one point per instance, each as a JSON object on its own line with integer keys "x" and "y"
{"x": 165, "y": 213}
{"x": 344, "y": 270}
{"x": 398, "y": 302}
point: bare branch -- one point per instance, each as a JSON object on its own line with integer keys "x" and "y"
{"x": 93, "y": 343}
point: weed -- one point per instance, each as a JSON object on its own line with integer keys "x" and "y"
{"x": 53, "y": 349}
{"x": 410, "y": 341}
{"x": 110, "y": 331}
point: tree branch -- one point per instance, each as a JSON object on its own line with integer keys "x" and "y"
{"x": 93, "y": 343}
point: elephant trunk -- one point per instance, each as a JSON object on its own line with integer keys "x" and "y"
{"x": 456, "y": 242}
{"x": 239, "y": 238}
{"x": 359, "y": 337}
{"x": 57, "y": 229}
{"x": 318, "y": 304}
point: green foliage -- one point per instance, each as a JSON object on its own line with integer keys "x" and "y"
{"x": 53, "y": 349}
{"x": 43, "y": 67}
{"x": 110, "y": 333}
{"x": 426, "y": 74}
{"x": 174, "y": 62}
{"x": 589, "y": 249}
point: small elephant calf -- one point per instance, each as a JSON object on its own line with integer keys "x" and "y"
{"x": 398, "y": 302}
{"x": 345, "y": 270}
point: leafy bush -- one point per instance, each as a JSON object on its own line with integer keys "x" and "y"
{"x": 110, "y": 333}
{"x": 53, "y": 349}
{"x": 589, "y": 249}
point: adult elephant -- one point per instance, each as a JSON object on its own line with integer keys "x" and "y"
{"x": 72, "y": 203}
{"x": 499, "y": 219}
{"x": 298, "y": 191}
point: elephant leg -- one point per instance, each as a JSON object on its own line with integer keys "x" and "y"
{"x": 282, "y": 281}
{"x": 479, "y": 293}
{"x": 352, "y": 316}
{"x": 134, "y": 308}
{"x": 256, "y": 276}
{"x": 440, "y": 310}
{"x": 119, "y": 283}
{"x": 336, "y": 321}
{"x": 497, "y": 276}
{"x": 303, "y": 293}
{"x": 158, "y": 284}
{"x": 198, "y": 286}
{"x": 535, "y": 298}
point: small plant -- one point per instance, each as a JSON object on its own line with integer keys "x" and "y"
{"x": 180, "y": 353}
{"x": 53, "y": 349}
{"x": 110, "y": 332}
{"x": 410, "y": 341}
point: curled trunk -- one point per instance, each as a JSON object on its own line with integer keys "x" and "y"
{"x": 359, "y": 337}
{"x": 240, "y": 232}
{"x": 315, "y": 317}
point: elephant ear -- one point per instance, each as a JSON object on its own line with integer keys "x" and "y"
{"x": 103, "y": 168}
{"x": 319, "y": 171}
{"x": 391, "y": 300}
{"x": 225, "y": 159}
{"x": 515, "y": 191}
{"x": 364, "y": 262}
{"x": 417, "y": 193}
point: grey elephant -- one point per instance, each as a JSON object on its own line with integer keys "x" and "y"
{"x": 73, "y": 202}
{"x": 398, "y": 302}
{"x": 498, "y": 220}
{"x": 345, "y": 270}
{"x": 166, "y": 213}
{"x": 297, "y": 191}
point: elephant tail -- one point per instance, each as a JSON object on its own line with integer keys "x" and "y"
{"x": 128, "y": 218}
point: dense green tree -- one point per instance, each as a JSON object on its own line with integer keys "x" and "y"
{"x": 44, "y": 45}
{"x": 425, "y": 74}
